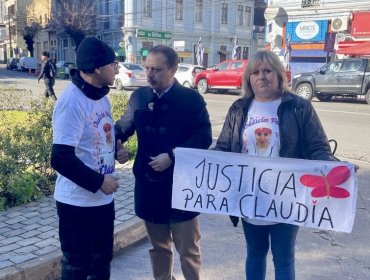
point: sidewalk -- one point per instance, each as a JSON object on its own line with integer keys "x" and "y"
{"x": 29, "y": 243}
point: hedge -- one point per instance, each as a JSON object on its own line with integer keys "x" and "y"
{"x": 25, "y": 146}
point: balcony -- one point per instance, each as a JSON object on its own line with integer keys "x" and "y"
{"x": 310, "y": 3}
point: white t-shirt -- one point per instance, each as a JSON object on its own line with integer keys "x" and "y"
{"x": 261, "y": 135}
{"x": 87, "y": 125}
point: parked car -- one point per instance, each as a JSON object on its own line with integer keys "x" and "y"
{"x": 63, "y": 68}
{"x": 12, "y": 63}
{"x": 186, "y": 73}
{"x": 130, "y": 75}
{"x": 26, "y": 63}
{"x": 222, "y": 77}
{"x": 344, "y": 77}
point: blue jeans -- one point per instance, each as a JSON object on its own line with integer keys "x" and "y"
{"x": 283, "y": 238}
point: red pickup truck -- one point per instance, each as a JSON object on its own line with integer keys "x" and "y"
{"x": 224, "y": 76}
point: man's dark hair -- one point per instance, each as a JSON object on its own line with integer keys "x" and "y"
{"x": 46, "y": 53}
{"x": 168, "y": 52}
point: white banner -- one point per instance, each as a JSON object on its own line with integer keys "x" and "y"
{"x": 309, "y": 193}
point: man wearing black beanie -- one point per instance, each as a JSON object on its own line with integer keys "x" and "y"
{"x": 83, "y": 154}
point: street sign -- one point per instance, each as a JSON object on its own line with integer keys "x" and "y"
{"x": 142, "y": 33}
{"x": 179, "y": 46}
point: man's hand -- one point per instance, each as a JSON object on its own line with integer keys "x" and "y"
{"x": 110, "y": 184}
{"x": 160, "y": 162}
{"x": 122, "y": 152}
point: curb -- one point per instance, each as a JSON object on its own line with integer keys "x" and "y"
{"x": 48, "y": 267}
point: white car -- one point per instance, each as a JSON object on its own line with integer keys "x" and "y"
{"x": 26, "y": 63}
{"x": 130, "y": 75}
{"x": 186, "y": 72}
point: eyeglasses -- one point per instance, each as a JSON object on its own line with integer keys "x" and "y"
{"x": 115, "y": 65}
{"x": 152, "y": 69}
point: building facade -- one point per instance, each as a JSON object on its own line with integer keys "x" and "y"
{"x": 46, "y": 37}
{"x": 307, "y": 33}
{"x": 109, "y": 24}
{"x": 220, "y": 26}
{"x": 12, "y": 42}
{"x": 223, "y": 29}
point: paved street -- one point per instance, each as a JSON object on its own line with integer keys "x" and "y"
{"x": 320, "y": 255}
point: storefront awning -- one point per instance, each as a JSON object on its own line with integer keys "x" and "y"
{"x": 184, "y": 54}
{"x": 358, "y": 49}
{"x": 360, "y": 24}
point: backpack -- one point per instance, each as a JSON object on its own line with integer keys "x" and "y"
{"x": 52, "y": 69}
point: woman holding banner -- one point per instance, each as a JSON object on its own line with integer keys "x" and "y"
{"x": 294, "y": 128}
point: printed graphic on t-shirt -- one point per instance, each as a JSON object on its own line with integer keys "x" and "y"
{"x": 103, "y": 142}
{"x": 261, "y": 131}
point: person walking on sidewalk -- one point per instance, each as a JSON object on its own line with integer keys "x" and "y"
{"x": 165, "y": 115}
{"x": 48, "y": 72}
{"x": 83, "y": 154}
{"x": 291, "y": 123}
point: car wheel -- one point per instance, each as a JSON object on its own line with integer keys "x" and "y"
{"x": 119, "y": 84}
{"x": 323, "y": 97}
{"x": 202, "y": 86}
{"x": 305, "y": 91}
{"x": 368, "y": 96}
{"x": 187, "y": 84}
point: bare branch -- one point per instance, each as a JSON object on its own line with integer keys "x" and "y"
{"x": 76, "y": 18}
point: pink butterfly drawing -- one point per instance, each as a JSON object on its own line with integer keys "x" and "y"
{"x": 327, "y": 185}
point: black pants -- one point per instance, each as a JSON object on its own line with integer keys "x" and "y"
{"x": 49, "y": 91}
{"x": 86, "y": 238}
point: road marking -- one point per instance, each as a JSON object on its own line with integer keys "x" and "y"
{"x": 344, "y": 112}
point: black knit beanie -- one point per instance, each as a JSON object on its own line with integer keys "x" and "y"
{"x": 93, "y": 53}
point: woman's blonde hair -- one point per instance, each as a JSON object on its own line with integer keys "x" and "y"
{"x": 273, "y": 61}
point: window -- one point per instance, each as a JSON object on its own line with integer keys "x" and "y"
{"x": 332, "y": 67}
{"x": 351, "y": 65}
{"x": 239, "y": 15}
{"x": 245, "y": 53}
{"x": 236, "y": 65}
{"x": 247, "y": 18}
{"x": 147, "y": 8}
{"x": 65, "y": 43}
{"x": 223, "y": 66}
{"x": 178, "y": 10}
{"x": 199, "y": 11}
{"x": 224, "y": 13}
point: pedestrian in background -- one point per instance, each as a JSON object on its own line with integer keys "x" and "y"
{"x": 165, "y": 115}
{"x": 48, "y": 72}
{"x": 82, "y": 155}
{"x": 295, "y": 129}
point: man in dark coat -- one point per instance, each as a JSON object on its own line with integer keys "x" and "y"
{"x": 165, "y": 115}
{"x": 48, "y": 72}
